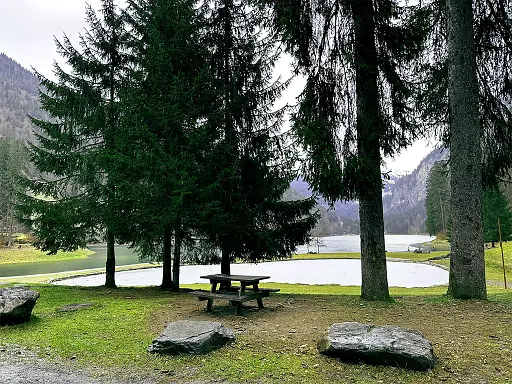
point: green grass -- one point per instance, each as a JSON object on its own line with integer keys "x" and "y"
{"x": 493, "y": 263}
{"x": 28, "y": 254}
{"x": 471, "y": 339}
{"x": 46, "y": 278}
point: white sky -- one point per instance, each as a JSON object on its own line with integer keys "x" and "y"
{"x": 27, "y": 29}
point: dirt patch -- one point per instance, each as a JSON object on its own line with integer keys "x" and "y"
{"x": 472, "y": 339}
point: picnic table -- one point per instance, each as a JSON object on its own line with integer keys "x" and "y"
{"x": 221, "y": 288}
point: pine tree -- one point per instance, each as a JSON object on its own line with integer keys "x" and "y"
{"x": 356, "y": 106}
{"x": 496, "y": 207}
{"x": 76, "y": 198}
{"x": 247, "y": 173}
{"x": 437, "y": 202}
{"x": 13, "y": 166}
{"x": 167, "y": 135}
{"x": 464, "y": 98}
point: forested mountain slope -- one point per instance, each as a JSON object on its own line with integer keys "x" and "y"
{"x": 18, "y": 99}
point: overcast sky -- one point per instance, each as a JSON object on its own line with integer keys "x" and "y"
{"x": 27, "y": 29}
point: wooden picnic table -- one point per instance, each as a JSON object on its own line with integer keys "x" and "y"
{"x": 248, "y": 290}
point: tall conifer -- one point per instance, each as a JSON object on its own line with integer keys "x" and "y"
{"x": 356, "y": 106}
{"x": 76, "y": 199}
{"x": 247, "y": 174}
{"x": 465, "y": 95}
{"x": 164, "y": 121}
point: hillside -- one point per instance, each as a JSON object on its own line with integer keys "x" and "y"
{"x": 18, "y": 99}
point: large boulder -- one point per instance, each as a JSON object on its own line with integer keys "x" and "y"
{"x": 381, "y": 345}
{"x": 191, "y": 337}
{"x": 16, "y": 305}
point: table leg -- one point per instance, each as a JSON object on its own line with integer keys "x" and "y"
{"x": 260, "y": 301}
{"x": 213, "y": 289}
{"x": 242, "y": 289}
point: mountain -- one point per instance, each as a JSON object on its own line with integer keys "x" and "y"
{"x": 18, "y": 99}
{"x": 404, "y": 206}
{"x": 403, "y": 200}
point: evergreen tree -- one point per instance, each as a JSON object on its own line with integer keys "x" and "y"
{"x": 165, "y": 108}
{"x": 358, "y": 58}
{"x": 437, "y": 202}
{"x": 13, "y": 166}
{"x": 463, "y": 97}
{"x": 496, "y": 207}
{"x": 467, "y": 265}
{"x": 77, "y": 197}
{"x": 247, "y": 173}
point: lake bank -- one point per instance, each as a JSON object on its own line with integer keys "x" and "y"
{"x": 126, "y": 256}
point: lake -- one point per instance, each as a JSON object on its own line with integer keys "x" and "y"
{"x": 126, "y": 256}
{"x": 346, "y": 272}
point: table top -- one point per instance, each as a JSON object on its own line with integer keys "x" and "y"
{"x": 241, "y": 278}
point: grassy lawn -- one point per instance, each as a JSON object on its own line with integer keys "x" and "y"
{"x": 472, "y": 339}
{"x": 28, "y": 254}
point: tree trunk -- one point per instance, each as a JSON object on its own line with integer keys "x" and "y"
{"x": 467, "y": 264}
{"x": 225, "y": 264}
{"x": 110, "y": 265}
{"x": 374, "y": 284}
{"x": 9, "y": 228}
{"x": 229, "y": 130}
{"x": 176, "y": 257}
{"x": 167, "y": 282}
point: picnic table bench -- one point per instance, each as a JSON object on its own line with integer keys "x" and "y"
{"x": 248, "y": 290}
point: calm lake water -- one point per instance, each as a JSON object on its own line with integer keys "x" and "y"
{"x": 328, "y": 271}
{"x": 126, "y": 256}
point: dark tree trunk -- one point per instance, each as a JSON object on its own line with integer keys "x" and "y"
{"x": 110, "y": 265}
{"x": 373, "y": 254}
{"x": 467, "y": 265}
{"x": 167, "y": 282}
{"x": 225, "y": 264}
{"x": 176, "y": 257}
{"x": 229, "y": 129}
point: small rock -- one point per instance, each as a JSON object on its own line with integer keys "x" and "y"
{"x": 191, "y": 337}
{"x": 74, "y": 307}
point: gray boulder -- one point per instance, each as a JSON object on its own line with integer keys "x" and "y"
{"x": 191, "y": 337}
{"x": 16, "y": 305}
{"x": 381, "y": 345}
